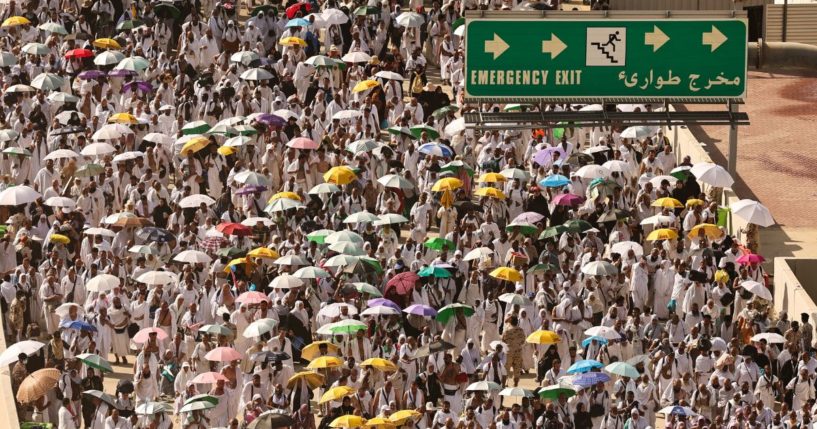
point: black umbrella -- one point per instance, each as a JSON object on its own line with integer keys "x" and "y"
{"x": 152, "y": 233}
{"x": 614, "y": 215}
{"x": 467, "y": 206}
{"x": 271, "y": 419}
{"x": 270, "y": 357}
{"x": 167, "y": 10}
{"x": 104, "y": 397}
{"x": 67, "y": 130}
{"x": 432, "y": 348}
{"x": 124, "y": 386}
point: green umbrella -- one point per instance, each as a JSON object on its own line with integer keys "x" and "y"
{"x": 456, "y": 165}
{"x": 89, "y": 170}
{"x": 541, "y": 268}
{"x": 418, "y": 130}
{"x": 623, "y": 369}
{"x": 16, "y": 151}
{"x": 195, "y": 127}
{"x": 438, "y": 243}
{"x": 246, "y": 130}
{"x": 372, "y": 262}
{"x": 553, "y": 232}
{"x": 319, "y": 236}
{"x": 231, "y": 252}
{"x": 601, "y": 187}
{"x": 400, "y": 131}
{"x": 197, "y": 406}
{"x": 367, "y": 288}
{"x": 128, "y": 24}
{"x": 203, "y": 397}
{"x": 344, "y": 327}
{"x": 134, "y": 64}
{"x": 515, "y": 107}
{"x": 53, "y": 27}
{"x": 445, "y": 110}
{"x": 445, "y": 313}
{"x": 3, "y": 230}
{"x": 577, "y": 225}
{"x": 362, "y": 146}
{"x": 553, "y": 392}
{"x": 167, "y": 10}
{"x": 367, "y": 10}
{"x": 95, "y": 361}
{"x": 104, "y": 397}
{"x": 7, "y": 59}
{"x": 681, "y": 173}
{"x": 457, "y": 22}
{"x": 216, "y": 329}
{"x": 347, "y": 248}
{"x": 524, "y": 228}
{"x": 434, "y": 271}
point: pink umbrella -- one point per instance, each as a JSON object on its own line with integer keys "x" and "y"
{"x": 302, "y": 143}
{"x": 567, "y": 200}
{"x": 750, "y": 258}
{"x": 223, "y": 354}
{"x": 403, "y": 283}
{"x": 252, "y": 297}
{"x": 208, "y": 378}
{"x": 142, "y": 336}
{"x": 528, "y": 217}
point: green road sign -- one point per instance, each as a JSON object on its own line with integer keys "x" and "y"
{"x": 610, "y": 58}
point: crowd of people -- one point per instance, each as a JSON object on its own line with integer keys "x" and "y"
{"x": 274, "y": 216}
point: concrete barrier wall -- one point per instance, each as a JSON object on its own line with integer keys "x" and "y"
{"x": 8, "y": 409}
{"x": 790, "y": 294}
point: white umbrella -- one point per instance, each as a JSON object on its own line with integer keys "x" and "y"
{"x": 344, "y": 235}
{"x": 770, "y": 337}
{"x": 105, "y": 232}
{"x": 195, "y": 201}
{"x": 390, "y": 75}
{"x": 390, "y": 219}
{"x": 159, "y": 138}
{"x": 291, "y": 260}
{"x": 109, "y": 58}
{"x": 248, "y": 177}
{"x": 324, "y": 188}
{"x": 753, "y": 212}
{"x": 347, "y": 114}
{"x": 46, "y": 81}
{"x": 237, "y": 141}
{"x": 599, "y": 268}
{"x": 517, "y": 391}
{"x": 618, "y": 166}
{"x": 395, "y": 181}
{"x": 361, "y": 217}
{"x": 483, "y": 386}
{"x": 380, "y": 310}
{"x": 193, "y": 257}
{"x": 252, "y": 221}
{"x": 602, "y": 331}
{"x": 286, "y": 281}
{"x": 35, "y": 48}
{"x": 758, "y": 289}
{"x": 256, "y": 74}
{"x": 334, "y": 310}
{"x": 712, "y": 174}
{"x": 259, "y": 328}
{"x": 283, "y": 204}
{"x": 102, "y": 283}
{"x": 478, "y": 253}
{"x": 10, "y": 355}
{"x": 460, "y": 31}
{"x": 639, "y": 132}
{"x": 592, "y": 171}
{"x": 334, "y": 17}
{"x": 126, "y": 156}
{"x": 657, "y": 220}
{"x": 356, "y": 57}
{"x": 455, "y": 127}
{"x": 656, "y": 180}
{"x": 311, "y": 273}
{"x": 65, "y": 309}
{"x": 285, "y": 113}
{"x": 156, "y": 278}
{"x": 61, "y": 202}
{"x": 97, "y": 149}
{"x": 410, "y": 20}
{"x": 18, "y": 195}
{"x": 624, "y": 247}
{"x": 111, "y": 132}
{"x": 61, "y": 154}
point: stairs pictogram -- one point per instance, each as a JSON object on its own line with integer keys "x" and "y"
{"x": 603, "y": 49}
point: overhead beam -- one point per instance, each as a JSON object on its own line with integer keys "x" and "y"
{"x": 531, "y": 120}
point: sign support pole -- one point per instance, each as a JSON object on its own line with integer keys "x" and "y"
{"x": 733, "y": 142}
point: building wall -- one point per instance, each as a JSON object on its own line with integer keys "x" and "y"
{"x": 801, "y": 24}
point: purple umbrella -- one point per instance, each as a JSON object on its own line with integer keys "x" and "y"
{"x": 383, "y": 301}
{"x": 271, "y": 120}
{"x": 121, "y": 73}
{"x": 91, "y": 74}
{"x": 137, "y": 86}
{"x": 251, "y": 189}
{"x": 528, "y": 217}
{"x": 546, "y": 155}
{"x": 421, "y": 310}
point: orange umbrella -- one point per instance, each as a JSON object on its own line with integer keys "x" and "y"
{"x": 37, "y": 384}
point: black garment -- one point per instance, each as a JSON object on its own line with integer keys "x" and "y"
{"x": 581, "y": 419}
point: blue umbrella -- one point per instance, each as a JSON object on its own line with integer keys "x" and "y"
{"x": 297, "y": 22}
{"x": 554, "y": 181}
{"x": 79, "y": 325}
{"x": 587, "y": 340}
{"x": 436, "y": 149}
{"x": 584, "y": 366}
{"x": 590, "y": 379}
{"x": 678, "y": 411}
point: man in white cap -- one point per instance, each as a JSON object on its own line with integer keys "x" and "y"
{"x": 636, "y": 421}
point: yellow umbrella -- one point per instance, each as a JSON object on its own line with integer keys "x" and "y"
{"x": 194, "y": 145}
{"x": 692, "y": 202}
{"x": 336, "y": 394}
{"x": 667, "y": 202}
{"x": 340, "y": 175}
{"x": 447, "y": 199}
{"x": 543, "y": 337}
{"x": 287, "y": 195}
{"x": 380, "y": 363}
{"x": 313, "y": 350}
{"x": 490, "y": 192}
{"x": 447, "y": 184}
{"x": 59, "y": 238}
{"x": 324, "y": 362}
{"x": 313, "y": 379}
{"x": 710, "y": 230}
{"x": 380, "y": 422}
{"x": 365, "y": 85}
{"x": 662, "y": 234}
{"x": 507, "y": 274}
{"x": 15, "y": 21}
{"x": 400, "y": 417}
{"x": 123, "y": 118}
{"x": 106, "y": 43}
{"x": 226, "y": 150}
{"x": 239, "y": 261}
{"x": 292, "y": 41}
{"x": 263, "y": 252}
{"x": 348, "y": 421}
{"x": 491, "y": 178}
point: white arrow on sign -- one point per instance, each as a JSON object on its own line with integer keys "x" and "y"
{"x": 713, "y": 39}
{"x": 496, "y": 46}
{"x": 554, "y": 46}
{"x": 656, "y": 39}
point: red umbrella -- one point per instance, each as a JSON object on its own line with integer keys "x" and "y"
{"x": 212, "y": 244}
{"x": 567, "y": 200}
{"x": 231, "y": 228}
{"x": 223, "y": 354}
{"x": 302, "y": 143}
{"x": 293, "y": 10}
{"x": 403, "y": 283}
{"x": 750, "y": 258}
{"x": 79, "y": 53}
{"x": 251, "y": 297}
